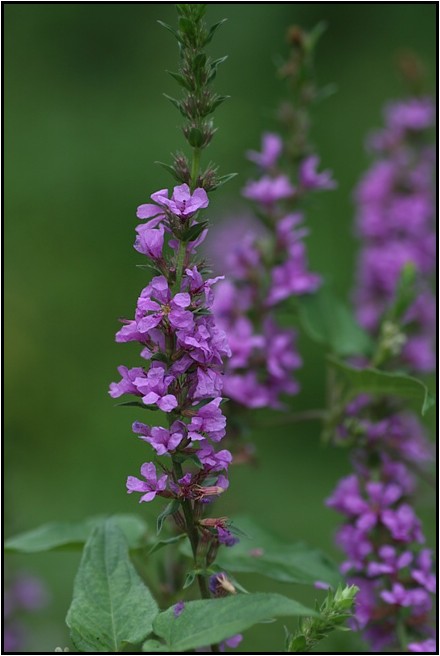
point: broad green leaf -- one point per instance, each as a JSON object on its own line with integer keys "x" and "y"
{"x": 373, "y": 381}
{"x": 73, "y": 535}
{"x": 209, "y": 621}
{"x": 262, "y": 553}
{"x": 327, "y": 320}
{"x": 111, "y": 605}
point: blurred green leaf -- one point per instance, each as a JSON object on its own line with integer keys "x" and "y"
{"x": 111, "y": 605}
{"x": 209, "y": 621}
{"x": 374, "y": 381}
{"x": 327, "y": 320}
{"x": 73, "y": 535}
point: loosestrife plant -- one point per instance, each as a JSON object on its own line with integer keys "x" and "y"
{"x": 121, "y": 601}
{"x": 268, "y": 268}
{"x": 382, "y": 536}
{"x": 213, "y": 349}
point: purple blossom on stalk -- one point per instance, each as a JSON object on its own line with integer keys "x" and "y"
{"x": 152, "y": 484}
{"x": 271, "y": 149}
{"x": 182, "y": 204}
{"x": 309, "y": 178}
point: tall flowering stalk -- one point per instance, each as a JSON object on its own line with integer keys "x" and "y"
{"x": 382, "y": 535}
{"x": 182, "y": 346}
{"x": 268, "y": 266}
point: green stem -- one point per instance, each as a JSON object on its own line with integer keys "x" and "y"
{"x": 181, "y": 253}
{"x": 195, "y": 167}
{"x": 192, "y": 532}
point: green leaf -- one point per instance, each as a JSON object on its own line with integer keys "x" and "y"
{"x": 213, "y": 30}
{"x": 164, "y": 543}
{"x": 373, "y": 381}
{"x": 170, "y": 170}
{"x": 170, "y": 29}
{"x": 152, "y": 645}
{"x": 180, "y": 80}
{"x": 194, "y": 231}
{"x": 262, "y": 553}
{"x": 327, "y": 320}
{"x": 170, "y": 509}
{"x": 209, "y": 621}
{"x": 223, "y": 179}
{"x": 216, "y": 102}
{"x": 111, "y": 606}
{"x": 73, "y": 535}
{"x": 137, "y": 404}
{"x": 175, "y": 102}
{"x": 214, "y": 66}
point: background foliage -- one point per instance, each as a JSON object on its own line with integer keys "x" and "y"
{"x": 85, "y": 120}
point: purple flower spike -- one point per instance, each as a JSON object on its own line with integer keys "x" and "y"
{"x": 151, "y": 486}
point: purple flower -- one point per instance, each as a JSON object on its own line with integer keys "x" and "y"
{"x": 231, "y": 642}
{"x": 162, "y": 440}
{"x": 214, "y": 460}
{"x": 156, "y": 304}
{"x": 422, "y": 573}
{"x": 225, "y": 536}
{"x": 209, "y": 421}
{"x": 292, "y": 277}
{"x": 397, "y": 595}
{"x": 152, "y": 484}
{"x": 268, "y": 191}
{"x": 428, "y": 646}
{"x": 154, "y": 387}
{"x": 415, "y": 114}
{"x": 182, "y": 203}
{"x": 347, "y": 497}
{"x": 149, "y": 241}
{"x": 403, "y": 524}
{"x": 271, "y": 149}
{"x": 178, "y": 608}
{"x": 126, "y": 385}
{"x": 309, "y": 178}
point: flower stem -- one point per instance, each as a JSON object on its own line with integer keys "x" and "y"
{"x": 181, "y": 253}
{"x": 195, "y": 167}
{"x": 191, "y": 532}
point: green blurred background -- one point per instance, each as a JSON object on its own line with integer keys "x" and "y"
{"x": 85, "y": 120}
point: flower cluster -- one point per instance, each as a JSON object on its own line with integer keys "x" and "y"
{"x": 395, "y": 220}
{"x": 267, "y": 267}
{"x": 382, "y": 535}
{"x": 183, "y": 349}
{"x": 266, "y": 259}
